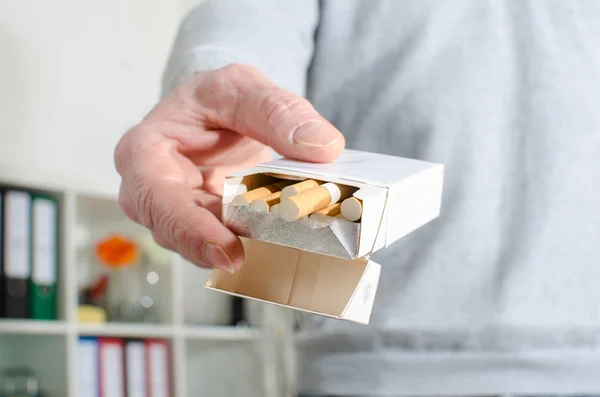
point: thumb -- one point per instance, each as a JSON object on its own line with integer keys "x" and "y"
{"x": 242, "y": 99}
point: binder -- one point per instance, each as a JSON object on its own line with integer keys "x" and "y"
{"x": 87, "y": 367}
{"x": 158, "y": 374}
{"x": 44, "y": 252}
{"x": 16, "y": 266}
{"x": 238, "y": 312}
{"x": 112, "y": 371}
{"x": 135, "y": 368}
{"x": 1, "y": 255}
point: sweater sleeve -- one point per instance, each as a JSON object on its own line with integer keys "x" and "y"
{"x": 275, "y": 36}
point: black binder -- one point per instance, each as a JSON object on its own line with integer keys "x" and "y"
{"x": 1, "y": 252}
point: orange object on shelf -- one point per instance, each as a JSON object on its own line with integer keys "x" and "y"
{"x": 117, "y": 251}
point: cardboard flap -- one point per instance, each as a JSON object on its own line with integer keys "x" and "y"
{"x": 372, "y": 234}
{"x": 360, "y": 305}
{"x": 329, "y": 286}
{"x": 364, "y": 167}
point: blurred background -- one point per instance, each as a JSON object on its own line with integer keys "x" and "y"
{"x": 100, "y": 302}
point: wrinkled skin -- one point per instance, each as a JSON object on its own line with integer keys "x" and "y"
{"x": 173, "y": 162}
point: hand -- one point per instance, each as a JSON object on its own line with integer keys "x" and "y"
{"x": 173, "y": 162}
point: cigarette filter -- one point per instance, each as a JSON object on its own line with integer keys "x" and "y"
{"x": 351, "y": 209}
{"x": 264, "y": 191}
{"x": 264, "y": 204}
{"x": 315, "y": 199}
{"x": 297, "y": 188}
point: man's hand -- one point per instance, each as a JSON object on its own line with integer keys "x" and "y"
{"x": 173, "y": 162}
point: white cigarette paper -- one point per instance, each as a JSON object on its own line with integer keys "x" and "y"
{"x": 264, "y": 204}
{"x": 351, "y": 209}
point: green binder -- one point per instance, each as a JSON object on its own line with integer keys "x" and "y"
{"x": 44, "y": 255}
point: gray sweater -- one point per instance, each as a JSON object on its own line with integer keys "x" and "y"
{"x": 502, "y": 292}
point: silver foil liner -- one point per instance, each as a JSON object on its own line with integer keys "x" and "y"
{"x": 337, "y": 237}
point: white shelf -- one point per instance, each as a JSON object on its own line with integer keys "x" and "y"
{"x": 206, "y": 332}
{"x": 33, "y": 327}
{"x": 221, "y": 333}
{"x": 86, "y": 216}
{"x": 126, "y": 330}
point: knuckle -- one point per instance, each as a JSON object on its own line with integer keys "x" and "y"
{"x": 145, "y": 205}
{"x": 126, "y": 149}
{"x": 121, "y": 155}
{"x": 279, "y": 104}
{"x": 221, "y": 92}
{"x": 179, "y": 233}
{"x": 195, "y": 245}
{"x": 127, "y": 205}
{"x": 226, "y": 80}
{"x": 170, "y": 228}
{"x": 185, "y": 236}
{"x": 162, "y": 241}
{"x": 238, "y": 71}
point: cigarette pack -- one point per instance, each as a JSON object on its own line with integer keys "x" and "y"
{"x": 296, "y": 255}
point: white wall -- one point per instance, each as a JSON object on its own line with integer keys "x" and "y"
{"x": 187, "y": 5}
{"x": 74, "y": 75}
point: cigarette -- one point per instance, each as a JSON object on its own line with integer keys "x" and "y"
{"x": 300, "y": 187}
{"x": 274, "y": 209}
{"x": 264, "y": 191}
{"x": 315, "y": 199}
{"x": 319, "y": 217}
{"x": 264, "y": 204}
{"x": 326, "y": 214}
{"x": 332, "y": 210}
{"x": 351, "y": 209}
{"x": 294, "y": 178}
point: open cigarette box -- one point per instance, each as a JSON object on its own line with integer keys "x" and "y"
{"x": 308, "y": 229}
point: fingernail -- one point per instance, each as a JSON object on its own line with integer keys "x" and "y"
{"x": 218, "y": 258}
{"x": 315, "y": 133}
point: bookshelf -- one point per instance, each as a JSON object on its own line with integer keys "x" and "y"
{"x": 208, "y": 356}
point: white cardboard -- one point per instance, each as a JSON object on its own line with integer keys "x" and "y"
{"x": 399, "y": 195}
{"x": 353, "y": 165}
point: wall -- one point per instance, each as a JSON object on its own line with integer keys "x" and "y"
{"x": 74, "y": 75}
